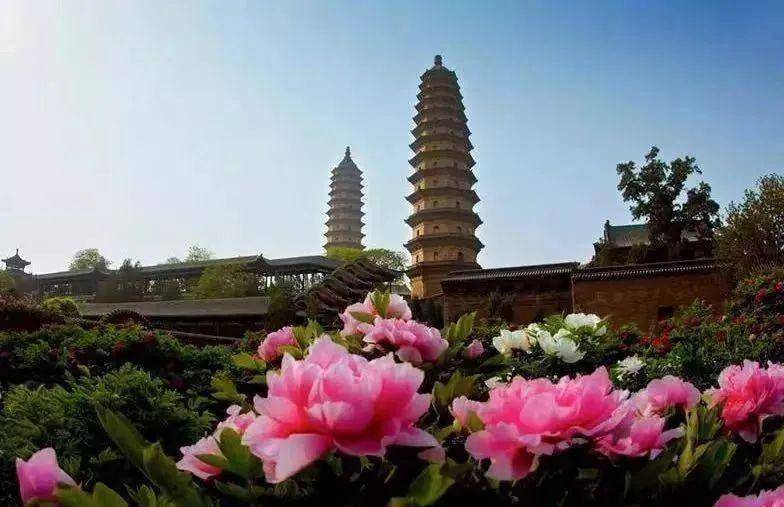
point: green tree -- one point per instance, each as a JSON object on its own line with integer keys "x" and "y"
{"x": 172, "y": 260}
{"x": 657, "y": 193}
{"x": 7, "y": 283}
{"x": 345, "y": 254}
{"x": 197, "y": 254}
{"x": 225, "y": 281}
{"x": 752, "y": 236}
{"x": 89, "y": 258}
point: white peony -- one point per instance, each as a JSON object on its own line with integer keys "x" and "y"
{"x": 561, "y": 345}
{"x": 494, "y": 382}
{"x": 532, "y": 331}
{"x": 629, "y": 366}
{"x": 508, "y": 341}
{"x": 580, "y": 320}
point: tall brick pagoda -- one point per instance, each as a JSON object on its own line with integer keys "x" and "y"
{"x": 443, "y": 221}
{"x": 344, "y": 224}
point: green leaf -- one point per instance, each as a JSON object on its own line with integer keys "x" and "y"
{"x": 72, "y": 496}
{"x": 458, "y": 385}
{"x": 367, "y": 318}
{"x": 214, "y": 460}
{"x": 163, "y": 472}
{"x": 380, "y": 302}
{"x": 123, "y": 434}
{"x": 239, "y": 459}
{"x": 429, "y": 486}
{"x": 103, "y": 496}
{"x": 295, "y": 352}
{"x": 225, "y": 390}
{"x": 248, "y": 362}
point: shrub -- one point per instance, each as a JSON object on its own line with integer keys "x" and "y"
{"x": 64, "y": 307}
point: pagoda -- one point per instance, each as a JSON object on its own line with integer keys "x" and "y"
{"x": 344, "y": 223}
{"x": 15, "y": 264}
{"x": 443, "y": 221}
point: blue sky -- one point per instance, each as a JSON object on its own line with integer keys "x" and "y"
{"x": 142, "y": 127}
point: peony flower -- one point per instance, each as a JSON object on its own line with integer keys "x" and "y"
{"x": 40, "y": 475}
{"x": 638, "y": 437}
{"x": 396, "y": 309}
{"x": 770, "y": 498}
{"x": 461, "y": 408}
{"x": 749, "y": 394}
{"x": 508, "y": 341}
{"x": 629, "y": 366}
{"x": 666, "y": 392}
{"x": 575, "y": 321}
{"x": 333, "y": 400}
{"x": 236, "y": 421}
{"x": 269, "y": 349}
{"x": 561, "y": 345}
{"x": 529, "y": 418}
{"x": 191, "y": 463}
{"x": 474, "y": 350}
{"x": 533, "y": 330}
{"x": 412, "y": 342}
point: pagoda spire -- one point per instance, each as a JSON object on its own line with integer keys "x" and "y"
{"x": 344, "y": 223}
{"x": 443, "y": 222}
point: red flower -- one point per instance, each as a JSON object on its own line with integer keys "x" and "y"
{"x": 779, "y": 287}
{"x": 760, "y": 295}
{"x": 118, "y": 349}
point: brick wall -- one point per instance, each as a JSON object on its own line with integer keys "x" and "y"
{"x": 642, "y": 301}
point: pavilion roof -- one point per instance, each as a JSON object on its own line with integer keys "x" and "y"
{"x": 647, "y": 270}
{"x": 513, "y": 273}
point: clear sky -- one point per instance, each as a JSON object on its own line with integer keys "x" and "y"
{"x": 141, "y": 127}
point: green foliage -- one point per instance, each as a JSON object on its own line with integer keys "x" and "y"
{"x": 63, "y": 306}
{"x": 225, "y": 281}
{"x": 197, "y": 254}
{"x": 281, "y": 307}
{"x": 752, "y": 236}
{"x": 656, "y": 192}
{"x": 344, "y": 254}
{"x": 89, "y": 258}
{"x": 384, "y": 257}
{"x": 7, "y": 283}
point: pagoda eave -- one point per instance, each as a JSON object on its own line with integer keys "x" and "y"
{"x": 459, "y": 172}
{"x": 440, "y": 267}
{"x": 445, "y": 239}
{"x": 423, "y": 193}
{"x": 456, "y": 214}
{"x": 441, "y": 137}
{"x": 442, "y": 153}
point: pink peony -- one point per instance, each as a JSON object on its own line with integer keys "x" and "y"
{"x": 639, "y": 436}
{"x": 525, "y": 419}
{"x": 333, "y": 400}
{"x": 396, "y": 309}
{"x": 773, "y": 498}
{"x": 269, "y": 349}
{"x": 413, "y": 342}
{"x": 236, "y": 421}
{"x": 191, "y": 463}
{"x": 666, "y": 392}
{"x": 474, "y": 350}
{"x": 40, "y": 475}
{"x": 749, "y": 394}
{"x": 462, "y": 407}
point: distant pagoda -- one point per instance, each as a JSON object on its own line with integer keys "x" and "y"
{"x": 15, "y": 264}
{"x": 344, "y": 224}
{"x": 443, "y": 222}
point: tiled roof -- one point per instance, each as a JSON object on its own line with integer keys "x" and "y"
{"x": 513, "y": 273}
{"x": 646, "y": 270}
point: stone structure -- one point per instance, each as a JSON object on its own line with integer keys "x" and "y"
{"x": 640, "y": 294}
{"x": 443, "y": 221}
{"x": 344, "y": 223}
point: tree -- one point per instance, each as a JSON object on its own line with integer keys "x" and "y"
{"x": 89, "y": 258}
{"x": 7, "y": 284}
{"x": 752, "y": 236}
{"x": 656, "y": 192}
{"x": 225, "y": 281}
{"x": 381, "y": 256}
{"x": 172, "y": 260}
{"x": 197, "y": 254}
{"x": 345, "y": 254}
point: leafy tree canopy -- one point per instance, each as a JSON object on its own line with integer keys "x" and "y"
{"x": 89, "y": 258}
{"x": 172, "y": 260}
{"x": 225, "y": 281}
{"x": 658, "y": 194}
{"x": 6, "y": 282}
{"x": 752, "y": 236}
{"x": 197, "y": 253}
{"x": 381, "y": 256}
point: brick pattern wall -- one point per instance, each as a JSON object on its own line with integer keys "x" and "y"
{"x": 640, "y": 300}
{"x": 528, "y": 305}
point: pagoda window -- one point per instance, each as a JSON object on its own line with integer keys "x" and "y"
{"x": 460, "y": 257}
{"x": 435, "y": 255}
{"x": 457, "y": 204}
{"x": 436, "y": 228}
{"x": 435, "y": 204}
{"x": 459, "y": 228}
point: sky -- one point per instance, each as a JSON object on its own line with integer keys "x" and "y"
{"x": 142, "y": 127}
